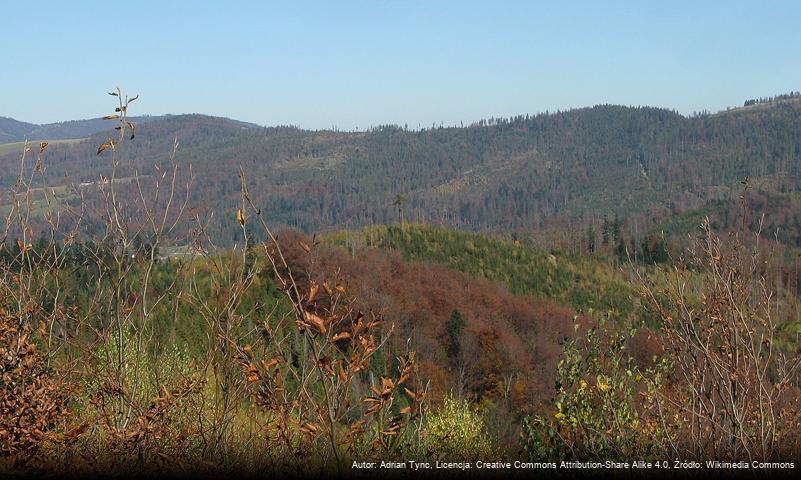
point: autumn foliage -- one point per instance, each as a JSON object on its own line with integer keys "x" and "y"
{"x": 148, "y": 348}
{"x": 509, "y": 344}
{"x": 33, "y": 402}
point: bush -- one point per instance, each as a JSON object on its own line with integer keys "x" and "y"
{"x": 733, "y": 391}
{"x": 596, "y": 415}
{"x": 33, "y": 401}
{"x": 455, "y": 432}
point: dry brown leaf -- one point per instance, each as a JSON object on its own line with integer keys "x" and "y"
{"x": 313, "y": 291}
{"x": 252, "y": 373}
{"x": 318, "y": 322}
{"x": 104, "y": 146}
{"x": 309, "y": 428}
{"x": 340, "y": 336}
{"x": 270, "y": 363}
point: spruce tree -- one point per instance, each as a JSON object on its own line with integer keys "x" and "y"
{"x": 453, "y": 329}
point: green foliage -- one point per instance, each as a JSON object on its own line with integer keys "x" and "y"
{"x": 453, "y": 329}
{"x": 141, "y": 367}
{"x": 621, "y": 252}
{"x": 596, "y": 417}
{"x": 171, "y": 322}
{"x": 654, "y": 250}
{"x": 582, "y": 282}
{"x": 455, "y": 432}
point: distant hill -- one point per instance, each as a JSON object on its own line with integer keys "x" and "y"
{"x": 583, "y": 282}
{"x": 766, "y": 103}
{"x": 559, "y": 170}
{"x": 15, "y": 131}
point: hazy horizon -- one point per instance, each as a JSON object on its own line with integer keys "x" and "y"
{"x": 308, "y": 64}
{"x": 461, "y": 123}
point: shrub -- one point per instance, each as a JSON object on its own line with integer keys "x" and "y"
{"x": 455, "y": 432}
{"x": 596, "y": 415}
{"x": 733, "y": 393}
{"x": 32, "y": 401}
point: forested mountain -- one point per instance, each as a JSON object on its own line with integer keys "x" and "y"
{"x": 560, "y": 169}
{"x": 12, "y": 130}
{"x": 15, "y": 131}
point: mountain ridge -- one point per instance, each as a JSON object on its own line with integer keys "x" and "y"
{"x": 13, "y": 130}
{"x": 559, "y": 170}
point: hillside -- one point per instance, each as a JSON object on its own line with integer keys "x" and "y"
{"x": 15, "y": 131}
{"x": 776, "y": 214}
{"x": 585, "y": 283}
{"x": 562, "y": 170}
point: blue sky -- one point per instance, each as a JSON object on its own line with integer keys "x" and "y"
{"x": 357, "y": 64}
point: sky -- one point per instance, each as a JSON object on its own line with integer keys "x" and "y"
{"x": 352, "y": 65}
